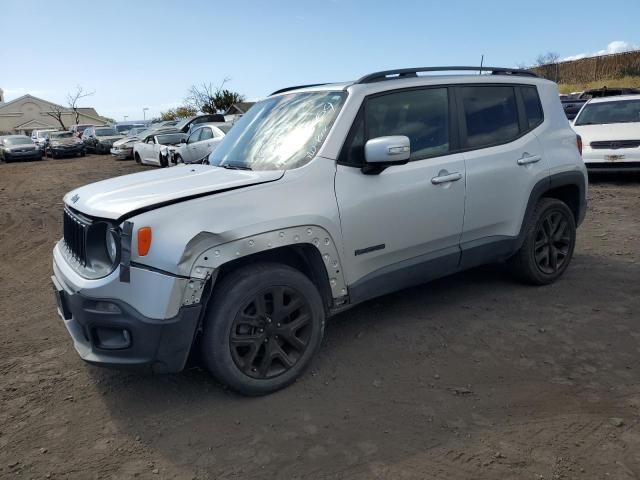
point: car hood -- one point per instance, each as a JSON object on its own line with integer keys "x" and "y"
{"x": 65, "y": 141}
{"x": 123, "y": 141}
{"x": 111, "y": 138}
{"x": 24, "y": 146}
{"x": 123, "y": 196}
{"x": 613, "y": 131}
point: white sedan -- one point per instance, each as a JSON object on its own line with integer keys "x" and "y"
{"x": 155, "y": 148}
{"x": 610, "y": 131}
{"x": 200, "y": 143}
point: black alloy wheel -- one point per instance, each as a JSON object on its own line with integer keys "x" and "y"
{"x": 264, "y": 324}
{"x": 271, "y": 332}
{"x": 553, "y": 242}
{"x": 549, "y": 241}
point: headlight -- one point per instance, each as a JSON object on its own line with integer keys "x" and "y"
{"x": 111, "y": 242}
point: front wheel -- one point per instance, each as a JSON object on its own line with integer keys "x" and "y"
{"x": 264, "y": 326}
{"x": 137, "y": 158}
{"x": 550, "y": 239}
{"x": 178, "y": 159}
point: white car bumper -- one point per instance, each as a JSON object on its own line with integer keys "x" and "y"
{"x": 618, "y": 159}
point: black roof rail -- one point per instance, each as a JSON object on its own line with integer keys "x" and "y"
{"x": 413, "y": 72}
{"x": 282, "y": 90}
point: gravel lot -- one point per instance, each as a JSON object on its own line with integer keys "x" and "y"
{"x": 471, "y": 377}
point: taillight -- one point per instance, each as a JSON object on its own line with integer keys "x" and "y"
{"x": 579, "y": 143}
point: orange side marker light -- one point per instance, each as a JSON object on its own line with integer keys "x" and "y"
{"x": 144, "y": 240}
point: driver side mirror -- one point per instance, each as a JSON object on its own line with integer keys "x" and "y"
{"x": 383, "y": 152}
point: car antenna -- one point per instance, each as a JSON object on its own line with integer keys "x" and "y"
{"x": 481, "y": 62}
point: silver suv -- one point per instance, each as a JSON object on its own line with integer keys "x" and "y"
{"x": 319, "y": 198}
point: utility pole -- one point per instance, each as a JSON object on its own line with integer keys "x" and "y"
{"x": 144, "y": 113}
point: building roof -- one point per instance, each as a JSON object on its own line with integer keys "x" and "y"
{"x": 240, "y": 107}
{"x": 86, "y": 111}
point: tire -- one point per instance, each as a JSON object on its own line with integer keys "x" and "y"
{"x": 240, "y": 305}
{"x": 53, "y": 155}
{"x": 549, "y": 243}
{"x": 163, "y": 161}
{"x": 82, "y": 153}
{"x": 137, "y": 158}
{"x": 178, "y": 159}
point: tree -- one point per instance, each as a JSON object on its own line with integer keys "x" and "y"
{"x": 209, "y": 99}
{"x": 74, "y": 98}
{"x": 548, "y": 58}
{"x": 178, "y": 112}
{"x": 547, "y": 66}
{"x": 57, "y": 111}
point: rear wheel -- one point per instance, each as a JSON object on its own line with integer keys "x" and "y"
{"x": 264, "y": 326}
{"x": 549, "y": 243}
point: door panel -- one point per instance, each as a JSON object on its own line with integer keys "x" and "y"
{"x": 498, "y": 182}
{"x": 503, "y": 166}
{"x": 400, "y": 214}
{"x": 397, "y": 221}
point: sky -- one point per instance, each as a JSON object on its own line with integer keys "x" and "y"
{"x": 146, "y": 54}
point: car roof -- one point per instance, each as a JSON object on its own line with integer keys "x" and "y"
{"x": 420, "y": 80}
{"x": 615, "y": 98}
{"x": 15, "y": 136}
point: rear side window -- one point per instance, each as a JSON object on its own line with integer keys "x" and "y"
{"x": 532, "y": 107}
{"x": 491, "y": 115}
{"x": 206, "y": 134}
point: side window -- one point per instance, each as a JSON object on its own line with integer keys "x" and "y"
{"x": 353, "y": 149}
{"x": 206, "y": 134}
{"x": 421, "y": 115}
{"x": 532, "y": 107}
{"x": 194, "y": 137}
{"x": 491, "y": 115}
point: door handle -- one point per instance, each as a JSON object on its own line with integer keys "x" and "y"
{"x": 526, "y": 159}
{"x": 445, "y": 177}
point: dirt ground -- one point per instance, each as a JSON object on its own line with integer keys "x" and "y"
{"x": 470, "y": 377}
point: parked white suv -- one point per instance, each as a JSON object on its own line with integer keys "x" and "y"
{"x": 319, "y": 198}
{"x": 610, "y": 131}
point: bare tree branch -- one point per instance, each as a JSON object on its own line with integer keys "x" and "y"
{"x": 74, "y": 98}
{"x": 56, "y": 112}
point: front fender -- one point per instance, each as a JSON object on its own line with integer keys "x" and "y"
{"x": 211, "y": 258}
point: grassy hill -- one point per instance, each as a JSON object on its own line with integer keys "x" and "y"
{"x": 628, "y": 81}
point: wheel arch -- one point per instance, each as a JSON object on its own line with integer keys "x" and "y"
{"x": 309, "y": 249}
{"x": 303, "y": 257}
{"x": 568, "y": 187}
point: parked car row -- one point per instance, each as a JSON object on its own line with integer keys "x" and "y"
{"x": 187, "y": 141}
{"x": 164, "y": 143}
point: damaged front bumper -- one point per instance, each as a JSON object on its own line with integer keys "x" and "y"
{"x": 144, "y": 323}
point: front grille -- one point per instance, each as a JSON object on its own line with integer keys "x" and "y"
{"x": 615, "y": 144}
{"x": 75, "y": 235}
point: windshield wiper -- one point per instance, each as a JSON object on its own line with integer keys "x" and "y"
{"x": 231, "y": 166}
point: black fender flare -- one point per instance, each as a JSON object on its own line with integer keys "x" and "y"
{"x": 572, "y": 178}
